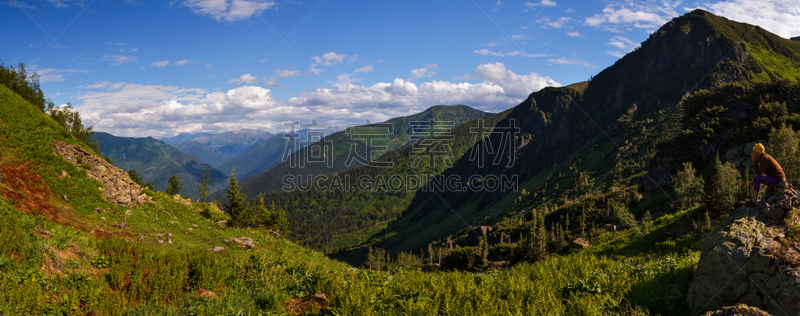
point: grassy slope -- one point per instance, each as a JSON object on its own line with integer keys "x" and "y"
{"x": 656, "y": 97}
{"x": 122, "y": 275}
{"x": 157, "y": 162}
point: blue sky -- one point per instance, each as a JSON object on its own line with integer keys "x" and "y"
{"x": 156, "y": 68}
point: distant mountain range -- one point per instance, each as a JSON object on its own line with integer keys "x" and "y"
{"x": 156, "y": 161}
{"x": 227, "y": 144}
{"x": 377, "y": 139}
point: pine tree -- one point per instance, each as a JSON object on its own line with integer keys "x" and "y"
{"x": 583, "y": 222}
{"x": 174, "y": 185}
{"x": 236, "y": 204}
{"x": 688, "y": 186}
{"x": 724, "y": 186}
{"x": 202, "y": 187}
{"x": 783, "y": 147}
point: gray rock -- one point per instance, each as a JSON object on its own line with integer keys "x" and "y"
{"x": 736, "y": 267}
{"x": 580, "y": 243}
{"x": 216, "y": 249}
{"x": 245, "y": 242}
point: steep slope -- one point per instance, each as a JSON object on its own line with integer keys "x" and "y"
{"x": 575, "y": 138}
{"x": 156, "y": 162}
{"x": 203, "y": 153}
{"x": 346, "y": 208}
{"x": 263, "y": 156}
{"x": 383, "y": 137}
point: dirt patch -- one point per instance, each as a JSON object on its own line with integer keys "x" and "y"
{"x": 28, "y": 191}
{"x": 118, "y": 187}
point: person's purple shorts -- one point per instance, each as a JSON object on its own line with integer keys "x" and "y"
{"x": 760, "y": 179}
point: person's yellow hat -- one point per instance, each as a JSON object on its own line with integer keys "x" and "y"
{"x": 758, "y": 148}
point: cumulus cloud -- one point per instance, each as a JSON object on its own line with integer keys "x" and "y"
{"x": 643, "y": 15}
{"x": 570, "y": 61}
{"x": 423, "y": 72}
{"x": 119, "y": 59}
{"x": 183, "y": 62}
{"x": 329, "y": 58}
{"x": 137, "y": 110}
{"x": 559, "y": 23}
{"x": 53, "y": 74}
{"x": 246, "y": 78}
{"x": 160, "y": 63}
{"x": 543, "y": 3}
{"x": 283, "y": 73}
{"x": 273, "y": 82}
{"x": 366, "y": 68}
{"x": 779, "y": 17}
{"x": 624, "y": 45}
{"x": 229, "y": 10}
{"x": 574, "y": 34}
{"x": 501, "y": 54}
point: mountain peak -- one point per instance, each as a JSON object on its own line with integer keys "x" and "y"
{"x": 796, "y": 38}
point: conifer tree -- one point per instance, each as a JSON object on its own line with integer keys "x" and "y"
{"x": 236, "y": 204}
{"x": 783, "y": 146}
{"x": 202, "y": 187}
{"x": 688, "y": 186}
{"x": 724, "y": 186}
{"x": 174, "y": 185}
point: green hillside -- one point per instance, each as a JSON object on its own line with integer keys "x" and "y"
{"x": 605, "y": 139}
{"x": 383, "y": 137}
{"x": 156, "y": 162}
{"x": 261, "y": 157}
{"x": 205, "y": 154}
{"x": 63, "y": 252}
{"x": 349, "y": 214}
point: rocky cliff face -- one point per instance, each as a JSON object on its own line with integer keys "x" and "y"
{"x": 117, "y": 187}
{"x": 748, "y": 260}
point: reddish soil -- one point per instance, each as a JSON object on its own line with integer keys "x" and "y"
{"x": 31, "y": 194}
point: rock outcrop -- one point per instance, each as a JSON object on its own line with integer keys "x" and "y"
{"x": 117, "y": 185}
{"x": 747, "y": 260}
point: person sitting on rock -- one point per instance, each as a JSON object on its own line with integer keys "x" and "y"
{"x": 767, "y": 170}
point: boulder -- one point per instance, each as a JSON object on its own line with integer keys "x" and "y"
{"x": 245, "y": 242}
{"x": 307, "y": 305}
{"x": 738, "y": 264}
{"x": 216, "y": 249}
{"x": 579, "y": 244}
{"x": 737, "y": 310}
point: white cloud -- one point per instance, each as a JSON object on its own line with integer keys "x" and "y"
{"x": 66, "y": 3}
{"x": 558, "y": 23}
{"x": 229, "y": 10}
{"x": 543, "y": 3}
{"x": 127, "y": 109}
{"x": 569, "y": 10}
{"x": 273, "y": 82}
{"x": 624, "y": 44}
{"x": 574, "y": 34}
{"x": 329, "y": 58}
{"x": 779, "y": 17}
{"x": 134, "y": 50}
{"x": 642, "y": 15}
{"x": 53, "y": 74}
{"x": 183, "y": 62}
{"x": 423, "y": 72}
{"x": 119, "y": 59}
{"x": 246, "y": 78}
{"x": 283, "y": 73}
{"x": 485, "y": 51}
{"x": 160, "y": 63}
{"x": 366, "y": 68}
{"x": 570, "y": 61}
{"x": 500, "y": 54}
